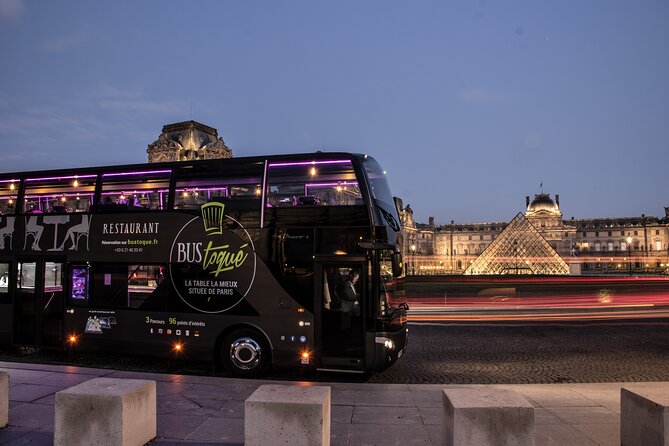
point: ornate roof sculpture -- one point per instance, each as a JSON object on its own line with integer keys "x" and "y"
{"x": 518, "y": 249}
{"x": 189, "y": 140}
{"x": 543, "y": 204}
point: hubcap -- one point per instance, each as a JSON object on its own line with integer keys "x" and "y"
{"x": 245, "y": 353}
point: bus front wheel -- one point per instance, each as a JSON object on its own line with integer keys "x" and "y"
{"x": 245, "y": 353}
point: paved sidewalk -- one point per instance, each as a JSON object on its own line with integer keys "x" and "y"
{"x": 210, "y": 410}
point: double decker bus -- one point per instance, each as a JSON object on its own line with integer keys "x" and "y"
{"x": 278, "y": 261}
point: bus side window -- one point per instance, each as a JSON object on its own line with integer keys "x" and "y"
{"x": 59, "y": 195}
{"x": 200, "y": 184}
{"x": 332, "y": 285}
{"x": 146, "y": 287}
{"x": 109, "y": 285}
{"x": 321, "y": 183}
{"x": 8, "y": 191}
{"x": 4, "y": 283}
{"x": 130, "y": 191}
{"x": 125, "y": 286}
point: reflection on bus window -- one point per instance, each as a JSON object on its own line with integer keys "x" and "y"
{"x": 143, "y": 281}
{"x": 4, "y": 282}
{"x": 128, "y": 286}
{"x": 26, "y": 277}
{"x": 391, "y": 292}
{"x": 53, "y": 276}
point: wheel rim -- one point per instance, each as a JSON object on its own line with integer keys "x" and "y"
{"x": 245, "y": 353}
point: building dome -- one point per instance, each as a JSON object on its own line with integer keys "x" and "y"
{"x": 543, "y": 202}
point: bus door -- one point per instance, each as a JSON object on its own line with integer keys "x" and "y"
{"x": 340, "y": 330}
{"x": 38, "y": 302}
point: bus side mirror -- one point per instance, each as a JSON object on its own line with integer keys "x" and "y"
{"x": 396, "y": 259}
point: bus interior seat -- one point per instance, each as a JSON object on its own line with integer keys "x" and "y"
{"x": 308, "y": 200}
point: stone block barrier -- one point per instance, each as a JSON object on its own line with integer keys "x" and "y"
{"x": 487, "y": 417}
{"x": 644, "y": 414}
{"x": 106, "y": 411}
{"x": 4, "y": 399}
{"x": 287, "y": 415}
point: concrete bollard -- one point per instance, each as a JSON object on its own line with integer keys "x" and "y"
{"x": 291, "y": 415}
{"x": 644, "y": 414}
{"x": 4, "y": 399}
{"x": 106, "y": 411}
{"x": 487, "y": 417}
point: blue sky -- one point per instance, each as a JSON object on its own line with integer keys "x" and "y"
{"x": 469, "y": 105}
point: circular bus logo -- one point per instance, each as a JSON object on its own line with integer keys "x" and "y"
{"x": 212, "y": 267}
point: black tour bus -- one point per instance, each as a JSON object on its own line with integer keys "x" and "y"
{"x": 282, "y": 261}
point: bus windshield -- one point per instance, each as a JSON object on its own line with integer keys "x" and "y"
{"x": 378, "y": 185}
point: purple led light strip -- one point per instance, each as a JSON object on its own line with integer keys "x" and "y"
{"x": 58, "y": 196}
{"x": 9, "y": 181}
{"x": 125, "y": 192}
{"x": 198, "y": 189}
{"x": 310, "y": 163}
{"x": 147, "y": 172}
{"x": 342, "y": 183}
{"x": 71, "y": 177}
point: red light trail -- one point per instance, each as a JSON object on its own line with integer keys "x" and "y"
{"x": 513, "y": 299}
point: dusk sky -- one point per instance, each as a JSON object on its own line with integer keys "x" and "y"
{"x": 469, "y": 105}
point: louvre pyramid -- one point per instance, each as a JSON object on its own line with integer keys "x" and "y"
{"x": 518, "y": 249}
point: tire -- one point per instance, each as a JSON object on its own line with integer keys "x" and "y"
{"x": 245, "y": 353}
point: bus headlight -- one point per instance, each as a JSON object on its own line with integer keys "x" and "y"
{"x": 387, "y": 343}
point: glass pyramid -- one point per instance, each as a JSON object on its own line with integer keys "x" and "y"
{"x": 518, "y": 249}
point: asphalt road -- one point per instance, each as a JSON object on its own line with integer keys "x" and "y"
{"x": 542, "y": 353}
{"x": 467, "y": 354}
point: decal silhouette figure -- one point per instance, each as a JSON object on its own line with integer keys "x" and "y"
{"x": 7, "y": 231}
{"x": 76, "y": 232}
{"x": 34, "y": 229}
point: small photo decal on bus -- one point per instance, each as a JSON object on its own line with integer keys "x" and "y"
{"x": 93, "y": 325}
{"x": 104, "y": 322}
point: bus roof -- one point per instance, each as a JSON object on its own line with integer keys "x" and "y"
{"x": 172, "y": 164}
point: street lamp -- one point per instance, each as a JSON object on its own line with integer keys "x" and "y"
{"x": 629, "y": 253}
{"x": 413, "y": 259}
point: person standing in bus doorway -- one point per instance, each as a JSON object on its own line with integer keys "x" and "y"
{"x": 350, "y": 299}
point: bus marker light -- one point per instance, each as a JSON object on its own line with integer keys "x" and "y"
{"x": 305, "y": 357}
{"x": 300, "y": 310}
{"x": 72, "y": 339}
{"x": 301, "y": 323}
{"x": 178, "y": 347}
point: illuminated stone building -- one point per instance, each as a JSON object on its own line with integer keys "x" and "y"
{"x": 615, "y": 246}
{"x": 189, "y": 140}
